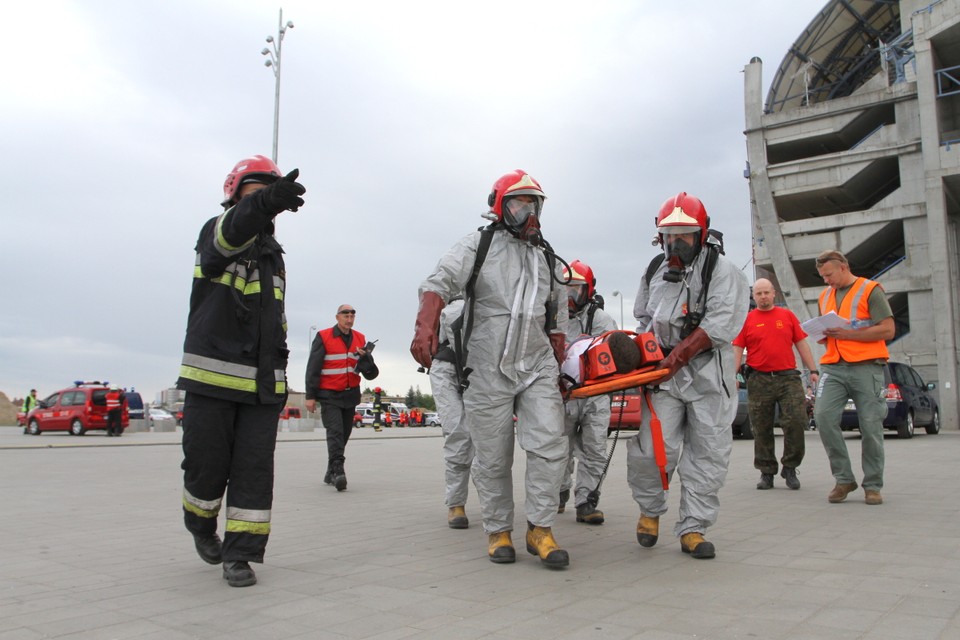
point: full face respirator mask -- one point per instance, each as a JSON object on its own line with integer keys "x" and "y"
{"x": 680, "y": 250}
{"x": 523, "y": 219}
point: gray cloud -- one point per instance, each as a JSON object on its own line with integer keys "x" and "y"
{"x": 121, "y": 120}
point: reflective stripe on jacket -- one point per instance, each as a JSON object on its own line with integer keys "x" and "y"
{"x": 854, "y": 307}
{"x": 235, "y": 348}
{"x": 339, "y": 361}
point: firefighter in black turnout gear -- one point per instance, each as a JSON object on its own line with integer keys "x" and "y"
{"x": 234, "y": 368}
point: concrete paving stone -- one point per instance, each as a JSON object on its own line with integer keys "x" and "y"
{"x": 106, "y": 554}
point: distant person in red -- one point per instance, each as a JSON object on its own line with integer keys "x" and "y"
{"x": 338, "y": 357}
{"x": 115, "y": 399}
{"x": 404, "y": 419}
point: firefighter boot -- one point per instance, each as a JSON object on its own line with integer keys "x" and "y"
{"x": 328, "y": 479}
{"x": 564, "y": 496}
{"x": 239, "y": 574}
{"x": 500, "y": 548}
{"x": 694, "y": 544}
{"x": 208, "y": 548}
{"x": 648, "y": 530}
{"x": 589, "y": 514}
{"x": 540, "y": 542}
{"x": 339, "y": 476}
{"x": 457, "y": 518}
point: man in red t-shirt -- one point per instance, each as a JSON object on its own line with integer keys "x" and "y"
{"x": 769, "y": 336}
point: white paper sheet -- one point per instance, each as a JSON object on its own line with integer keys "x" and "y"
{"x": 814, "y": 327}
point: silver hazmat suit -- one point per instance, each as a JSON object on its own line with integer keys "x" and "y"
{"x": 514, "y": 373}
{"x": 697, "y": 406}
{"x": 586, "y": 419}
{"x": 457, "y": 447}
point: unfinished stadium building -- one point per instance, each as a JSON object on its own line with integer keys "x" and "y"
{"x": 857, "y": 148}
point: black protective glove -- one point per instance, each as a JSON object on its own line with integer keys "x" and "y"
{"x": 283, "y": 194}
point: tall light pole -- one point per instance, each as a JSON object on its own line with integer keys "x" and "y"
{"x": 313, "y": 332}
{"x": 617, "y": 294}
{"x": 274, "y": 61}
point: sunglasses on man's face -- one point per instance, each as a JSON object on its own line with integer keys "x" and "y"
{"x": 348, "y": 312}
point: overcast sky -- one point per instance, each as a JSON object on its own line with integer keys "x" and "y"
{"x": 121, "y": 119}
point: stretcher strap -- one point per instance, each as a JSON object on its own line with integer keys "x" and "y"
{"x": 659, "y": 446}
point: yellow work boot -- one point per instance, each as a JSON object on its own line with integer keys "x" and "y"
{"x": 648, "y": 530}
{"x": 457, "y": 518}
{"x": 694, "y": 544}
{"x": 500, "y": 548}
{"x": 540, "y": 542}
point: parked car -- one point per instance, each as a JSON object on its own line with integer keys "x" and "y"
{"x": 77, "y": 409}
{"x": 135, "y": 403}
{"x": 289, "y": 412}
{"x": 909, "y": 403}
{"x": 159, "y": 413}
{"x": 431, "y": 419}
{"x": 364, "y": 417}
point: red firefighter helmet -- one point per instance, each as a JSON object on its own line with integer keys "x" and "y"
{"x": 378, "y": 390}
{"x": 683, "y": 214}
{"x": 256, "y": 168}
{"x": 579, "y": 273}
{"x": 515, "y": 183}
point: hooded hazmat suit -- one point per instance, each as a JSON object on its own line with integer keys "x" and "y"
{"x": 586, "y": 420}
{"x": 697, "y": 406}
{"x": 457, "y": 446}
{"x": 514, "y": 372}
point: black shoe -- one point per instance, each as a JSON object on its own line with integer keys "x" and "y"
{"x": 239, "y": 574}
{"x": 589, "y": 514}
{"x": 328, "y": 479}
{"x": 339, "y": 477}
{"x": 208, "y": 548}
{"x": 766, "y": 481}
{"x": 564, "y": 496}
{"x": 790, "y": 475}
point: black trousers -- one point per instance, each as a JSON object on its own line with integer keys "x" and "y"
{"x": 228, "y": 447}
{"x": 338, "y": 422}
{"x": 114, "y": 422}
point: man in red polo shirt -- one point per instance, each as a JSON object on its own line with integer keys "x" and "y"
{"x": 769, "y": 335}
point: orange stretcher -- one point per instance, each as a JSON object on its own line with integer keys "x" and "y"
{"x": 620, "y": 382}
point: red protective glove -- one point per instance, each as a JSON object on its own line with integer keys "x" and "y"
{"x": 426, "y": 330}
{"x": 697, "y": 342}
{"x": 559, "y": 343}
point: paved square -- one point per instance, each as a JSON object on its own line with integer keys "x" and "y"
{"x": 94, "y": 547}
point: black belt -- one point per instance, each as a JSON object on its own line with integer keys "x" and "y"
{"x": 783, "y": 372}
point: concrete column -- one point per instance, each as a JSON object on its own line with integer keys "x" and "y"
{"x": 945, "y": 322}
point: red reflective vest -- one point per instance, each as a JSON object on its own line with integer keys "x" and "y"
{"x": 339, "y": 362}
{"x": 113, "y": 400}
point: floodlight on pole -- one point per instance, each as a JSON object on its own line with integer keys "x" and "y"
{"x": 274, "y": 62}
{"x": 617, "y": 294}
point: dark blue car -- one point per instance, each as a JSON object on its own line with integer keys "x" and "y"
{"x": 910, "y": 403}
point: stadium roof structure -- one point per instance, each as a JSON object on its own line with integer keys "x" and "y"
{"x": 836, "y": 54}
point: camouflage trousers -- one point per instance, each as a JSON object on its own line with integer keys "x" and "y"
{"x": 764, "y": 393}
